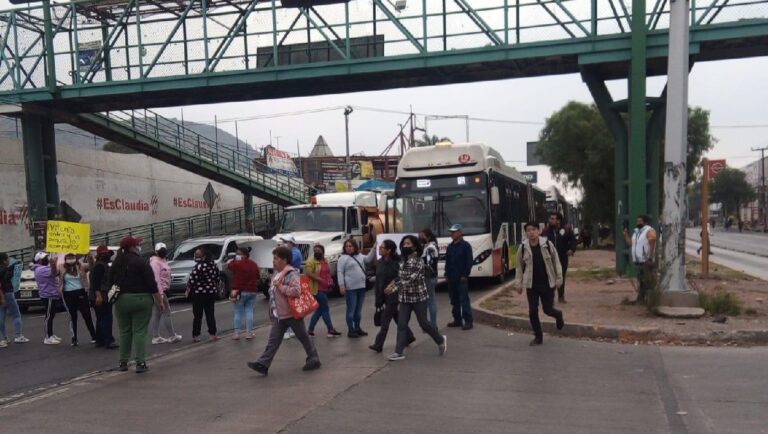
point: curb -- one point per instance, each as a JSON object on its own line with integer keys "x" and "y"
{"x": 619, "y": 333}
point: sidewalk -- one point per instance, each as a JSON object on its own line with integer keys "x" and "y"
{"x": 597, "y": 307}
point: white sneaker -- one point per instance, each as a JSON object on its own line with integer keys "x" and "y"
{"x": 51, "y": 341}
{"x": 395, "y": 357}
{"x": 174, "y": 339}
{"x": 3, "y": 343}
{"x": 56, "y": 338}
{"x": 288, "y": 335}
{"x": 159, "y": 340}
{"x": 20, "y": 340}
{"x": 442, "y": 348}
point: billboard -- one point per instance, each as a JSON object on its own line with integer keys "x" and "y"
{"x": 281, "y": 162}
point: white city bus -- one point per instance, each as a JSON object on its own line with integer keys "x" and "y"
{"x": 438, "y": 186}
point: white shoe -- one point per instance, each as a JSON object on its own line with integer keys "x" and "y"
{"x": 159, "y": 340}
{"x": 56, "y": 338}
{"x": 51, "y": 341}
{"x": 442, "y": 348}
{"x": 395, "y": 357}
{"x": 20, "y": 340}
{"x": 288, "y": 335}
{"x": 3, "y": 343}
{"x": 174, "y": 339}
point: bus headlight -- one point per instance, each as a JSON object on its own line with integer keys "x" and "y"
{"x": 479, "y": 259}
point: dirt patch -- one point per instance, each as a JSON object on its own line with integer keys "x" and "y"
{"x": 603, "y": 300}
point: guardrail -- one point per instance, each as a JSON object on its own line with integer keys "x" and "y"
{"x": 266, "y": 217}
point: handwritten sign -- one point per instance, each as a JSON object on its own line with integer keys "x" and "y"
{"x": 66, "y": 237}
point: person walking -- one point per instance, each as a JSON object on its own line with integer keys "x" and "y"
{"x": 296, "y": 261}
{"x": 538, "y": 271}
{"x": 565, "y": 243}
{"x": 133, "y": 308}
{"x": 202, "y": 286}
{"x": 162, "y": 273}
{"x": 74, "y": 284}
{"x": 46, "y": 278}
{"x": 10, "y": 279}
{"x": 643, "y": 247}
{"x": 320, "y": 282}
{"x": 285, "y": 283}
{"x": 387, "y": 269}
{"x": 430, "y": 258}
{"x": 458, "y": 266}
{"x": 245, "y": 286}
{"x": 412, "y": 294}
{"x": 98, "y": 290}
{"x": 352, "y": 278}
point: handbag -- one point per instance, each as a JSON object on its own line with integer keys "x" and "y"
{"x": 377, "y": 316}
{"x": 113, "y": 294}
{"x": 305, "y": 303}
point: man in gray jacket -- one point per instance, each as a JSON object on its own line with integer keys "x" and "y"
{"x": 539, "y": 272}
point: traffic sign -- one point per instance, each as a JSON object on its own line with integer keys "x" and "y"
{"x": 531, "y": 177}
{"x": 209, "y": 196}
{"x": 715, "y": 167}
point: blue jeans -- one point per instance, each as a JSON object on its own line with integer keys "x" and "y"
{"x": 324, "y": 310}
{"x": 461, "y": 308}
{"x": 12, "y": 308}
{"x": 245, "y": 305}
{"x": 432, "y": 301}
{"x": 355, "y": 299}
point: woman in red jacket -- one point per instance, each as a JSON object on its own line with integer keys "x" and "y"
{"x": 245, "y": 284}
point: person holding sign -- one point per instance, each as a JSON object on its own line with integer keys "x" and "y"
{"x": 133, "y": 307}
{"x": 74, "y": 281}
{"x": 46, "y": 278}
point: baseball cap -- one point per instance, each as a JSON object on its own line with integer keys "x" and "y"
{"x": 288, "y": 238}
{"x": 39, "y": 256}
{"x": 159, "y": 246}
{"x": 128, "y": 241}
{"x": 102, "y": 249}
{"x": 455, "y": 228}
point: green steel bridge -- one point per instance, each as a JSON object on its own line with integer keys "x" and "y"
{"x": 82, "y": 61}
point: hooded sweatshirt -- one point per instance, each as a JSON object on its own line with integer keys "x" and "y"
{"x": 162, "y": 272}
{"x": 47, "y": 281}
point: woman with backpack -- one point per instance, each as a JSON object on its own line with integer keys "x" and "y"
{"x": 320, "y": 282}
{"x": 351, "y": 274}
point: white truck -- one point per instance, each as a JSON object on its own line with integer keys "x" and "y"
{"x": 332, "y": 218}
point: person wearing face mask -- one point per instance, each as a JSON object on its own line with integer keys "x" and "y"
{"x": 202, "y": 286}
{"x": 74, "y": 284}
{"x": 643, "y": 248}
{"x": 565, "y": 242}
{"x": 99, "y": 288}
{"x": 47, "y": 280}
{"x": 162, "y": 272}
{"x": 319, "y": 272}
{"x": 245, "y": 287}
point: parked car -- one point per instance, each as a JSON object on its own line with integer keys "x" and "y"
{"x": 222, "y": 248}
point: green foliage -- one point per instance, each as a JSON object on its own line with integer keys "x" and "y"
{"x": 720, "y": 302}
{"x": 578, "y": 147}
{"x": 426, "y": 140}
{"x": 731, "y": 189}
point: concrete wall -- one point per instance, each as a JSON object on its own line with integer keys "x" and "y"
{"x": 110, "y": 190}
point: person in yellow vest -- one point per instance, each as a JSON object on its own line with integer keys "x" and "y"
{"x": 643, "y": 247}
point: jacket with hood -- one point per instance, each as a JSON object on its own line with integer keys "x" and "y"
{"x": 162, "y": 272}
{"x": 524, "y": 269}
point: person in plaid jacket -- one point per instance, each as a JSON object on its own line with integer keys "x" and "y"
{"x": 412, "y": 294}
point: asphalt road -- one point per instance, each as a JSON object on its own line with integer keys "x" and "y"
{"x": 748, "y": 263}
{"x": 754, "y": 243}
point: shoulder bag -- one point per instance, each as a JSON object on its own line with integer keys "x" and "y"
{"x": 114, "y": 291}
{"x": 305, "y": 303}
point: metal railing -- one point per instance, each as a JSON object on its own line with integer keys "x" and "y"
{"x": 266, "y": 217}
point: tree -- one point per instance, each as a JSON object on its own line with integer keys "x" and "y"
{"x": 579, "y": 149}
{"x": 731, "y": 188}
{"x": 426, "y": 140}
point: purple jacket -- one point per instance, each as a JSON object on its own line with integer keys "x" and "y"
{"x": 47, "y": 282}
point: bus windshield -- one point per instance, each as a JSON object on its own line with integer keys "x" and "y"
{"x": 313, "y": 219}
{"x": 440, "y": 203}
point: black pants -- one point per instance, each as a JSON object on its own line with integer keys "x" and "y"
{"x": 203, "y": 303}
{"x": 77, "y": 301}
{"x": 561, "y": 288}
{"x": 51, "y": 306}
{"x": 404, "y": 315}
{"x": 547, "y": 296}
{"x": 103, "y": 322}
{"x": 389, "y": 314}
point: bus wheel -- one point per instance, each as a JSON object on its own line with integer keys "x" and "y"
{"x": 504, "y": 266}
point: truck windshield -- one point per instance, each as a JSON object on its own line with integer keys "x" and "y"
{"x": 186, "y": 251}
{"x": 313, "y": 219}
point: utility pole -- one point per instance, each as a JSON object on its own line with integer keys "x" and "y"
{"x": 762, "y": 199}
{"x": 347, "y": 111}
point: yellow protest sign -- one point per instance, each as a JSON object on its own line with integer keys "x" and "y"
{"x": 366, "y": 170}
{"x": 66, "y": 237}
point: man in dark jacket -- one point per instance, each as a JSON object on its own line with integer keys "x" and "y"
{"x": 99, "y": 287}
{"x": 565, "y": 243}
{"x": 458, "y": 265}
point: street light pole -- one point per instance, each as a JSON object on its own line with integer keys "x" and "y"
{"x": 347, "y": 111}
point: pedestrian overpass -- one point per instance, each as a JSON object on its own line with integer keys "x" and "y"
{"x": 81, "y": 61}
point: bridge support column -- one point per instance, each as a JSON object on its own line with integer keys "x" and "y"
{"x": 248, "y": 207}
{"x": 40, "y": 167}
